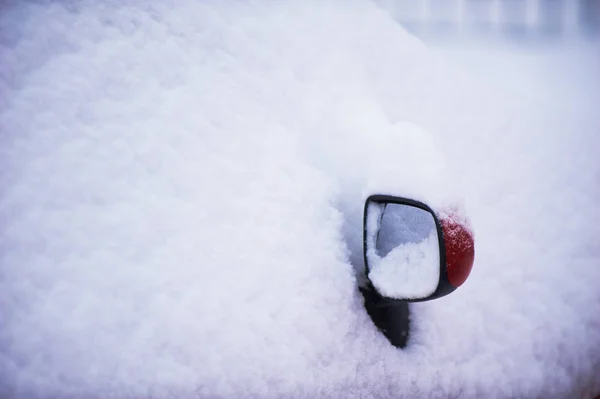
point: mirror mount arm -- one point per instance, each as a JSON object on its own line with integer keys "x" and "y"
{"x": 391, "y": 317}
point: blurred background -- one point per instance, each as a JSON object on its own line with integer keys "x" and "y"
{"x": 529, "y": 20}
{"x": 548, "y": 50}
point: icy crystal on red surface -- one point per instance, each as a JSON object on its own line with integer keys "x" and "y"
{"x": 460, "y": 248}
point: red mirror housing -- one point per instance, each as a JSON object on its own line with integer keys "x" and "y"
{"x": 460, "y": 248}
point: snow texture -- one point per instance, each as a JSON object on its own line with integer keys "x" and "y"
{"x": 181, "y": 196}
{"x": 402, "y": 251}
{"x": 411, "y": 270}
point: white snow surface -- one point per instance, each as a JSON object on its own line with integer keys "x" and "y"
{"x": 181, "y": 195}
{"x": 411, "y": 270}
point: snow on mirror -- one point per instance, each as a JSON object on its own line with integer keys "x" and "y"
{"x": 401, "y": 250}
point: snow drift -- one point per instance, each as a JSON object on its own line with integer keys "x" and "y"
{"x": 181, "y": 188}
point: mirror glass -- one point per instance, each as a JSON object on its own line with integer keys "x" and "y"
{"x": 402, "y": 250}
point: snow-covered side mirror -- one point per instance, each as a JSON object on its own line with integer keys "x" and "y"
{"x": 412, "y": 255}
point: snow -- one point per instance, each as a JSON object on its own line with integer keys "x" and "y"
{"x": 402, "y": 251}
{"x": 409, "y": 271}
{"x": 181, "y": 196}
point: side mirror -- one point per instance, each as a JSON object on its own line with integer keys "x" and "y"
{"x": 410, "y": 254}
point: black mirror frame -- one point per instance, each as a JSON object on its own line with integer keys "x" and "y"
{"x": 444, "y": 287}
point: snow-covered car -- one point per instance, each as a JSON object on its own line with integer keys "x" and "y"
{"x": 182, "y": 210}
